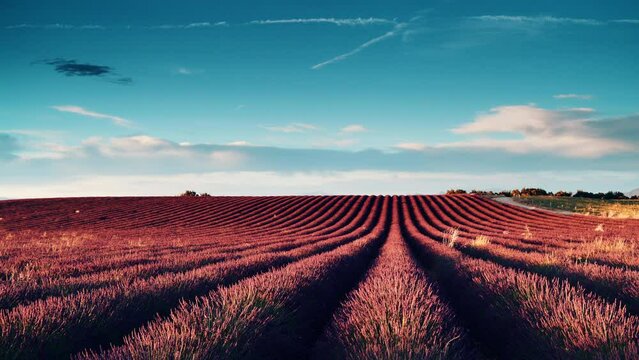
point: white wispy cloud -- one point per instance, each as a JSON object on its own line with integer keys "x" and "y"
{"x": 48, "y": 151}
{"x": 144, "y": 164}
{"x": 537, "y": 19}
{"x": 205, "y": 24}
{"x": 33, "y": 143}
{"x": 335, "y": 21}
{"x": 84, "y": 112}
{"x": 194, "y": 25}
{"x": 354, "y": 128}
{"x": 187, "y": 71}
{"x": 626, "y": 21}
{"x": 292, "y": 128}
{"x": 411, "y": 146}
{"x": 138, "y": 146}
{"x": 394, "y": 32}
{"x": 583, "y": 110}
{"x": 239, "y": 143}
{"x": 565, "y": 132}
{"x": 543, "y": 20}
{"x": 227, "y": 157}
{"x": 129, "y": 148}
{"x": 329, "y": 20}
{"x": 573, "y": 96}
{"x": 57, "y": 26}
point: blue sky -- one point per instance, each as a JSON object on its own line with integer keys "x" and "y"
{"x": 252, "y": 97}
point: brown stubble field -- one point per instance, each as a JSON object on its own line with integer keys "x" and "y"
{"x": 321, "y": 277}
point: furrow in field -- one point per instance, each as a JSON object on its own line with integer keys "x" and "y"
{"x": 289, "y": 206}
{"x": 157, "y": 216}
{"x": 519, "y": 315}
{"x": 117, "y": 212}
{"x": 522, "y": 224}
{"x": 395, "y": 313}
{"x": 151, "y": 212}
{"x": 597, "y": 245}
{"x": 442, "y": 221}
{"x": 569, "y": 230}
{"x": 273, "y": 315}
{"x": 60, "y": 326}
{"x": 68, "y": 257}
{"x": 611, "y": 283}
{"x": 11, "y": 294}
{"x": 560, "y": 221}
{"x": 466, "y": 218}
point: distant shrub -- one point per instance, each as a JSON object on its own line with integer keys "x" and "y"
{"x": 455, "y": 191}
{"x": 562, "y": 193}
{"x": 610, "y": 195}
{"x": 615, "y": 195}
{"x": 189, "y": 193}
{"x": 482, "y": 192}
{"x": 585, "y": 195}
{"x": 533, "y": 192}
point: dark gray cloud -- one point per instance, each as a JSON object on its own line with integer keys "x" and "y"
{"x": 623, "y": 128}
{"x": 8, "y": 145}
{"x": 70, "y": 67}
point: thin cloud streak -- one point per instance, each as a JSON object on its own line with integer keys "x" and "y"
{"x": 396, "y": 30}
{"x": 339, "y": 22}
{"x": 626, "y": 21}
{"x": 84, "y": 112}
{"x": 411, "y": 146}
{"x": 354, "y": 128}
{"x": 537, "y": 19}
{"x": 336, "y": 21}
{"x": 187, "y": 71}
{"x": 573, "y": 96}
{"x": 55, "y": 27}
{"x": 543, "y": 20}
{"x": 292, "y": 128}
{"x": 194, "y": 25}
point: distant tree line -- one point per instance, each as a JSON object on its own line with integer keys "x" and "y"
{"x": 610, "y": 195}
{"x": 192, "y": 193}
